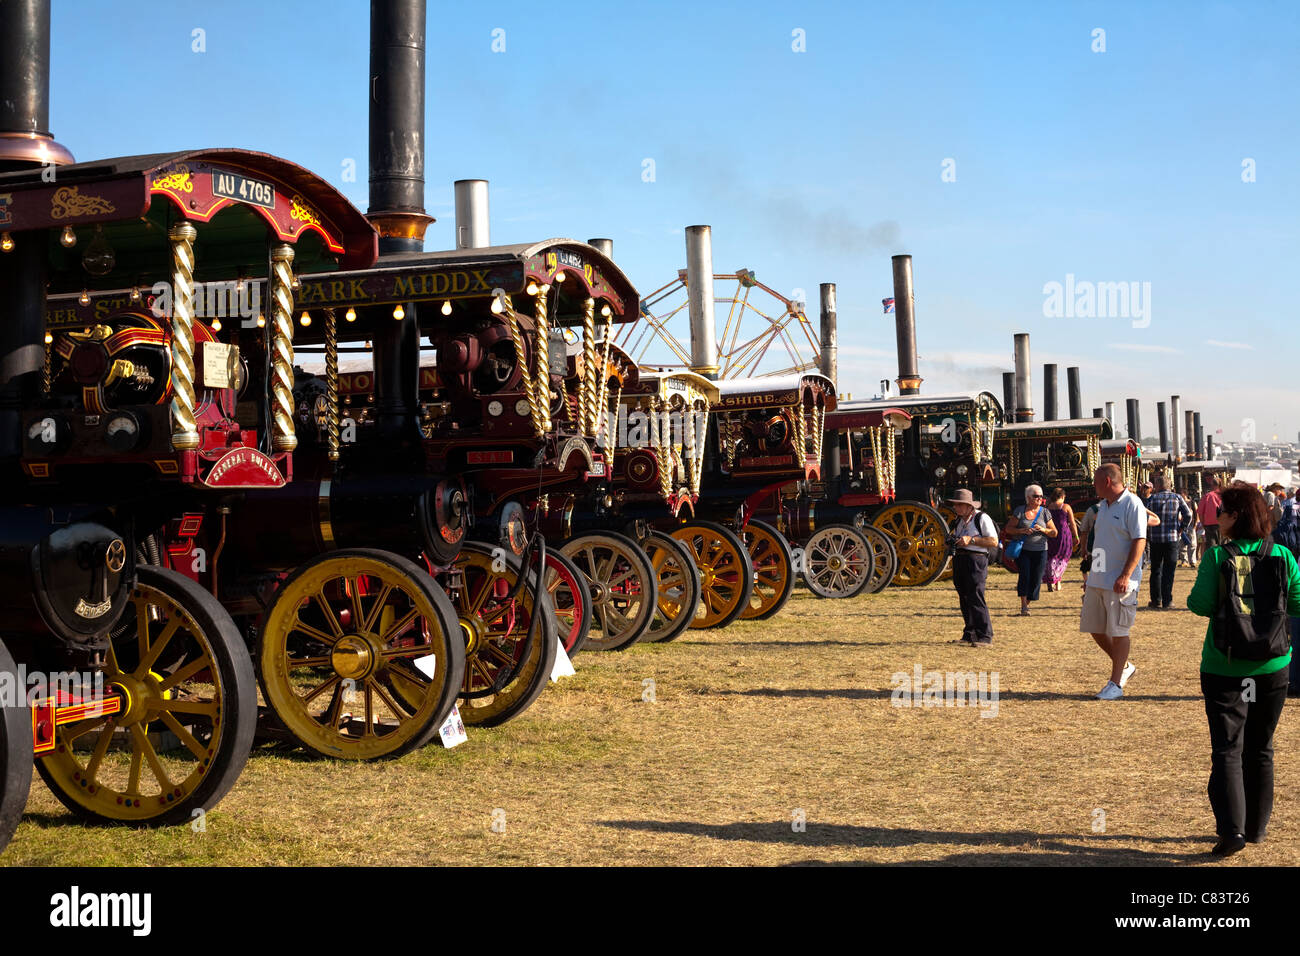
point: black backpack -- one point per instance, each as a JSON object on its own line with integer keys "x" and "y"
{"x": 1287, "y": 530}
{"x": 1264, "y": 577}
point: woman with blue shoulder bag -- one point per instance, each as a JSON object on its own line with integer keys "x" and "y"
{"x": 1029, "y": 527}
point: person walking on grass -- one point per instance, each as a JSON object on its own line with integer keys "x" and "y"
{"x": 1111, "y": 588}
{"x": 1247, "y": 586}
{"x": 1208, "y": 512}
{"x": 1032, "y": 522}
{"x": 1187, "y": 538}
{"x": 1163, "y": 541}
{"x": 973, "y": 538}
{"x": 1061, "y": 548}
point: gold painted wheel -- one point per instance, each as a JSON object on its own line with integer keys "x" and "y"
{"x": 837, "y": 561}
{"x": 773, "y": 570}
{"x": 677, "y": 580}
{"x": 919, "y": 534}
{"x": 360, "y": 655}
{"x": 188, "y": 712}
{"x": 494, "y": 625}
{"x": 623, "y": 591}
{"x": 726, "y": 573}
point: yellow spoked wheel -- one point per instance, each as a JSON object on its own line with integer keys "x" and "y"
{"x": 773, "y": 562}
{"x": 15, "y": 750}
{"x": 360, "y": 656}
{"x": 623, "y": 591}
{"x": 920, "y": 538}
{"x": 505, "y": 670}
{"x": 188, "y": 710}
{"x": 837, "y": 562}
{"x": 884, "y": 560}
{"x": 678, "y": 582}
{"x": 726, "y": 573}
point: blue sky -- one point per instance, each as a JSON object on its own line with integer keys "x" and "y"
{"x": 814, "y": 166}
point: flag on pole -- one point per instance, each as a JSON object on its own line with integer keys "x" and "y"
{"x": 888, "y": 304}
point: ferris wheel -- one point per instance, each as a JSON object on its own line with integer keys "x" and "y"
{"x": 762, "y": 333}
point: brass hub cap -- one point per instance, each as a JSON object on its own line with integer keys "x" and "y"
{"x": 472, "y": 628}
{"x": 133, "y": 694}
{"x": 352, "y": 657}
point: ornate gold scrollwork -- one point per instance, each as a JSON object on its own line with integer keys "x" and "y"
{"x": 69, "y": 203}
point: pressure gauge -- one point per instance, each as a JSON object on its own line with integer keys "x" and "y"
{"x": 122, "y": 431}
{"x": 961, "y": 470}
{"x": 940, "y": 471}
{"x": 521, "y": 408}
{"x": 495, "y": 408}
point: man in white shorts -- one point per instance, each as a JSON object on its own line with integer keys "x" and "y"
{"x": 1110, "y": 597}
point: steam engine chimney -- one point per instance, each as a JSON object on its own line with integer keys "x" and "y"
{"x": 1050, "y": 393}
{"x": 909, "y": 376}
{"x": 1176, "y": 425}
{"x": 1189, "y": 427}
{"x": 830, "y": 368}
{"x": 472, "y": 230}
{"x": 699, "y": 286}
{"x": 1076, "y": 395}
{"x": 1164, "y": 426}
{"x": 1110, "y": 415}
{"x": 1134, "y": 421}
{"x": 1009, "y": 395}
{"x": 1024, "y": 392}
{"x": 604, "y": 246}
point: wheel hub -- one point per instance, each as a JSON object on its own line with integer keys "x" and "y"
{"x": 835, "y": 563}
{"x": 472, "y": 631}
{"x": 352, "y": 657}
{"x": 135, "y": 693}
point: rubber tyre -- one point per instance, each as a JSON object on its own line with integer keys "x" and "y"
{"x": 634, "y": 568}
{"x": 15, "y": 753}
{"x": 695, "y": 535}
{"x": 774, "y": 568}
{"x": 674, "y": 570}
{"x": 569, "y": 592}
{"x": 236, "y": 696}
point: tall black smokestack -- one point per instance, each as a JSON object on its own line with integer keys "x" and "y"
{"x": 25, "y": 140}
{"x": 25, "y": 143}
{"x": 1189, "y": 432}
{"x": 1050, "y": 393}
{"x": 830, "y": 367}
{"x": 1134, "y": 421}
{"x": 1076, "y": 394}
{"x": 397, "y": 199}
{"x": 909, "y": 376}
{"x": 1024, "y": 390}
{"x": 1098, "y": 412}
{"x": 1009, "y": 395}
{"x": 1164, "y": 426}
{"x": 1199, "y": 444}
{"x": 397, "y": 124}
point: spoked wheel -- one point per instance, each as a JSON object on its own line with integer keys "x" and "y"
{"x": 837, "y": 561}
{"x": 360, "y": 655}
{"x": 505, "y": 669}
{"x": 623, "y": 591}
{"x": 188, "y": 711}
{"x": 678, "y": 581}
{"x": 884, "y": 559}
{"x": 570, "y": 601}
{"x": 726, "y": 573}
{"x": 919, "y": 534}
{"x": 773, "y": 570}
{"x": 15, "y": 750}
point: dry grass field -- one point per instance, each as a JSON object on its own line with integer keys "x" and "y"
{"x": 749, "y": 725}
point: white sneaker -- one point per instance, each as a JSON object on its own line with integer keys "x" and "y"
{"x": 1129, "y": 668}
{"x": 1110, "y": 692}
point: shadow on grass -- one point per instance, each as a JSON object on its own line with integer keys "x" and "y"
{"x": 1075, "y": 849}
{"x": 885, "y": 693}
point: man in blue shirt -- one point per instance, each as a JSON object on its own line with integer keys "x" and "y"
{"x": 1174, "y": 516}
{"x": 1110, "y": 597}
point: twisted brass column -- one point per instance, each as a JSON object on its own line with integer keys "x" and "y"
{"x": 587, "y": 391}
{"x": 542, "y": 375}
{"x": 332, "y": 384}
{"x": 282, "y": 433}
{"x": 185, "y": 435}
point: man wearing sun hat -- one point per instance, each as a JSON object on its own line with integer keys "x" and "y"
{"x": 973, "y": 537}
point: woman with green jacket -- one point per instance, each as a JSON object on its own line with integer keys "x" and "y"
{"x": 1243, "y": 698}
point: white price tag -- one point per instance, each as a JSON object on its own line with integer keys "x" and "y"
{"x": 563, "y": 665}
{"x": 452, "y": 732}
